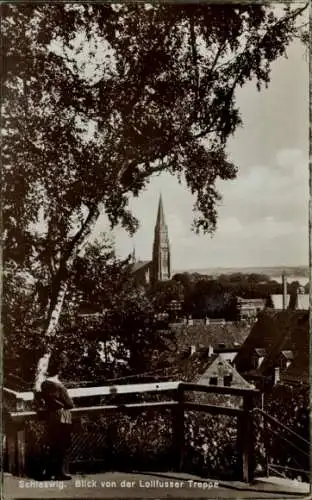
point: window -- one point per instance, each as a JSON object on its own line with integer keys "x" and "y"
{"x": 227, "y": 380}
{"x": 213, "y": 381}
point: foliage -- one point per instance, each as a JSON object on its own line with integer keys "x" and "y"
{"x": 22, "y": 340}
{"x": 84, "y": 130}
{"x": 96, "y": 99}
{"x": 216, "y": 296}
{"x": 166, "y": 295}
{"x": 104, "y": 307}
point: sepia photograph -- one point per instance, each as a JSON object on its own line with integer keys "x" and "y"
{"x": 155, "y": 292}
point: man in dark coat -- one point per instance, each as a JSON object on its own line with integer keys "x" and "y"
{"x": 57, "y": 404}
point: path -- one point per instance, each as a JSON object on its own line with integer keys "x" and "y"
{"x": 146, "y": 485}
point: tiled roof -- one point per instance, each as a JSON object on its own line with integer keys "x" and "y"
{"x": 140, "y": 265}
{"x": 288, "y": 354}
{"x": 231, "y": 335}
{"x": 277, "y": 332}
{"x": 297, "y": 372}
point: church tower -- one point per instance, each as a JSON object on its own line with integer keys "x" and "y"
{"x": 161, "y": 265}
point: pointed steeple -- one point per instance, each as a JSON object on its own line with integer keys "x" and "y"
{"x": 161, "y": 265}
{"x": 160, "y": 221}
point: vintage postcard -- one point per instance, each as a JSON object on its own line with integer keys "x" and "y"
{"x": 155, "y": 250}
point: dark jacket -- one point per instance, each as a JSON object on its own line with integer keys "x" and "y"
{"x": 57, "y": 401}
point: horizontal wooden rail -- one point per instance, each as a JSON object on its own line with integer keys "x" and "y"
{"x": 108, "y": 390}
{"x": 155, "y": 387}
{"x": 217, "y": 389}
{"x": 19, "y": 416}
{"x": 159, "y": 405}
{"x": 214, "y": 409}
{"x": 17, "y": 435}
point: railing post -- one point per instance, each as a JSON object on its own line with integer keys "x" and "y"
{"x": 246, "y": 440}
{"x": 11, "y": 451}
{"x": 178, "y": 430}
{"x": 266, "y": 447}
{"x": 21, "y": 451}
{"x": 16, "y": 450}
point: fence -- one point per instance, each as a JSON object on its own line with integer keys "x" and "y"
{"x": 93, "y": 424}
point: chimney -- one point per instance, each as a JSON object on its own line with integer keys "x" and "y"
{"x": 192, "y": 350}
{"x": 276, "y": 376}
{"x": 210, "y": 351}
{"x": 284, "y": 282}
{"x": 293, "y": 300}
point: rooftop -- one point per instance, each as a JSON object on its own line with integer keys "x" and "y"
{"x": 279, "y": 333}
{"x": 140, "y": 265}
{"x": 232, "y": 335}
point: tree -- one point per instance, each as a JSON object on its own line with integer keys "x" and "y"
{"x": 164, "y": 293}
{"x": 127, "y": 326}
{"x": 99, "y": 277}
{"x": 23, "y": 343}
{"x": 76, "y": 143}
{"x": 108, "y": 327}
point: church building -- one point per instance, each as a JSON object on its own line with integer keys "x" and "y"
{"x": 159, "y": 268}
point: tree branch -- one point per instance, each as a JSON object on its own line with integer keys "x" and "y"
{"x": 195, "y": 60}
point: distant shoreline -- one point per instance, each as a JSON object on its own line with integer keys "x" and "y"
{"x": 274, "y": 271}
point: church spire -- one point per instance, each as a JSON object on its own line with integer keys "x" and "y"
{"x": 161, "y": 265}
{"x": 160, "y": 221}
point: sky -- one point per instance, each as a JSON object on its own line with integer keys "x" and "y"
{"x": 263, "y": 216}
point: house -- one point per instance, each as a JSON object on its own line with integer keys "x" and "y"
{"x": 298, "y": 301}
{"x": 203, "y": 367}
{"x": 276, "y": 301}
{"x": 220, "y": 372}
{"x": 249, "y": 308}
{"x": 277, "y": 349}
{"x": 200, "y": 346}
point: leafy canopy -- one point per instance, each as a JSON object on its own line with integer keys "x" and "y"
{"x": 97, "y": 98}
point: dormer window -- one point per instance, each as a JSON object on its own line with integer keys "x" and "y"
{"x": 286, "y": 358}
{"x": 258, "y": 357}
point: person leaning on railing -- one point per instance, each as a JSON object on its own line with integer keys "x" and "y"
{"x": 57, "y": 405}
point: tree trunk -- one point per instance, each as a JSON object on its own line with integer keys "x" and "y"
{"x": 60, "y": 289}
{"x": 57, "y": 309}
{"x": 70, "y": 253}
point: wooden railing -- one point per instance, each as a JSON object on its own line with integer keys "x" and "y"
{"x": 16, "y": 436}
